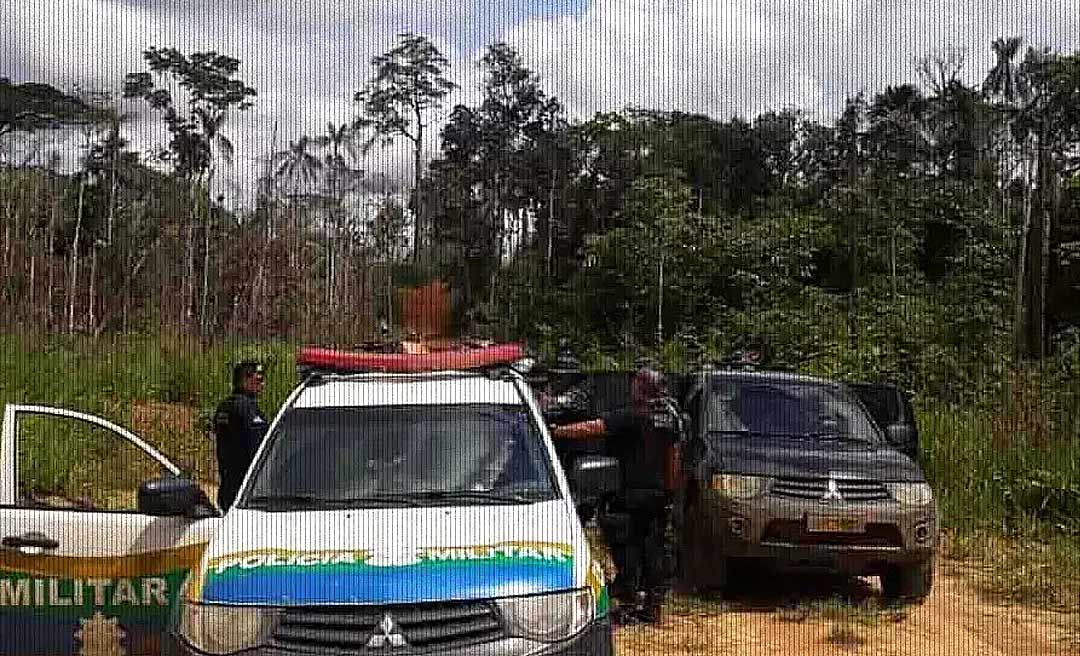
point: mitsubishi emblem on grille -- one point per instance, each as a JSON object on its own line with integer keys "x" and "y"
{"x": 386, "y": 634}
{"x": 833, "y": 493}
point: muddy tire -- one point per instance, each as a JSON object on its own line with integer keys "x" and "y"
{"x": 696, "y": 571}
{"x": 909, "y": 584}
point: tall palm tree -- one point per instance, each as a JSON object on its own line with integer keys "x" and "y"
{"x": 297, "y": 166}
{"x": 1008, "y": 84}
{"x": 341, "y": 142}
{"x": 1006, "y": 81}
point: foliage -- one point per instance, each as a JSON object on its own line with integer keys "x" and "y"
{"x": 35, "y": 106}
{"x": 209, "y": 80}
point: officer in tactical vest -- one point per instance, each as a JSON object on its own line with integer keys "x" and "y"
{"x": 641, "y": 437}
{"x": 239, "y": 427}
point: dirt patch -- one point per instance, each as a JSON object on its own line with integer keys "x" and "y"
{"x": 760, "y": 618}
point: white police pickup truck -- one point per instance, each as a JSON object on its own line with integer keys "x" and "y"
{"x": 385, "y": 513}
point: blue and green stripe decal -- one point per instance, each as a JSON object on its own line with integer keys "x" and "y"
{"x": 367, "y": 577}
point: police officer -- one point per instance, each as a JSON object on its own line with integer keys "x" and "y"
{"x": 239, "y": 427}
{"x": 643, "y": 447}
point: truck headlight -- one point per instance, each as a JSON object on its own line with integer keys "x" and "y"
{"x": 911, "y": 494}
{"x": 738, "y": 487}
{"x": 225, "y": 629}
{"x": 548, "y": 617}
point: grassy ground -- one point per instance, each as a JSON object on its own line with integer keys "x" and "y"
{"x": 1008, "y": 481}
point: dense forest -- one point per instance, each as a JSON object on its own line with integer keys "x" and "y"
{"x": 931, "y": 232}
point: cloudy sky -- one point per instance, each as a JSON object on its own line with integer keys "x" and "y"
{"x": 306, "y": 58}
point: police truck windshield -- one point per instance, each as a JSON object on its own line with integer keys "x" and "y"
{"x": 453, "y": 454}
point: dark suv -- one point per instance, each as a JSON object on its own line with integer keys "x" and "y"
{"x": 793, "y": 471}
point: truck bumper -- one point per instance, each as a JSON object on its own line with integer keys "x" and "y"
{"x": 597, "y": 639}
{"x": 782, "y": 533}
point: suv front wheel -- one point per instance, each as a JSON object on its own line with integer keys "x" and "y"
{"x": 908, "y": 583}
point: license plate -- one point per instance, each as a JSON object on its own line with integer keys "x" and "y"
{"x": 833, "y": 525}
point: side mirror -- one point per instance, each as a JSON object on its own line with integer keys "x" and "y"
{"x": 904, "y": 438}
{"x": 594, "y": 477}
{"x": 173, "y": 496}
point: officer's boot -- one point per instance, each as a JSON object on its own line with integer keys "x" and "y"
{"x": 653, "y": 607}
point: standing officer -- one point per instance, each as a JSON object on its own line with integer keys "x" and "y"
{"x": 239, "y": 427}
{"x": 643, "y": 446}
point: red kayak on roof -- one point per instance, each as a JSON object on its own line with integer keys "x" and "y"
{"x": 457, "y": 359}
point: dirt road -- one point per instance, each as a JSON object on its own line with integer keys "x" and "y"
{"x": 762, "y": 617}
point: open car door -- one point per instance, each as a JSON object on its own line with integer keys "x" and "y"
{"x": 891, "y": 410}
{"x": 91, "y": 562}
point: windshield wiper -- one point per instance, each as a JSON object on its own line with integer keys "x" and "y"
{"x": 478, "y": 495}
{"x": 840, "y": 437}
{"x": 307, "y": 500}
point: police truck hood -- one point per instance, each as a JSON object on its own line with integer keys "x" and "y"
{"x": 391, "y": 555}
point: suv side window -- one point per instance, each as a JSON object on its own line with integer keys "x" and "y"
{"x": 882, "y": 401}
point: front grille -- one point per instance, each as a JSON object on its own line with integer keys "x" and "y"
{"x": 425, "y": 627}
{"x": 794, "y": 532}
{"x": 817, "y": 488}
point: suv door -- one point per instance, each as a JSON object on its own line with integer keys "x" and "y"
{"x": 82, "y": 570}
{"x": 890, "y": 407}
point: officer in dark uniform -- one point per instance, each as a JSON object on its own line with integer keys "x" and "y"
{"x": 641, "y": 438}
{"x": 239, "y": 427}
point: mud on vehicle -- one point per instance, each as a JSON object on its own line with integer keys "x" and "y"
{"x": 794, "y": 472}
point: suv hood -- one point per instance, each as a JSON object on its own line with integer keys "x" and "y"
{"x": 798, "y": 458}
{"x": 385, "y": 556}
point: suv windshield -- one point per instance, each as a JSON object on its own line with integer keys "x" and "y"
{"x": 786, "y": 409}
{"x": 403, "y": 455}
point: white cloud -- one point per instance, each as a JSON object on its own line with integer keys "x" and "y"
{"x": 306, "y": 58}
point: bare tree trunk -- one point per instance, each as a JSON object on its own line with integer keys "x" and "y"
{"x": 418, "y": 218}
{"x": 1020, "y": 314}
{"x": 189, "y": 277}
{"x": 206, "y": 258}
{"x": 1046, "y": 201}
{"x": 49, "y": 265}
{"x": 93, "y": 275}
{"x": 892, "y": 262}
{"x": 550, "y": 226}
{"x": 33, "y": 279}
{"x": 75, "y": 257}
{"x": 112, "y": 204}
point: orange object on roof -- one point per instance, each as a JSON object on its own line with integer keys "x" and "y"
{"x": 425, "y": 310}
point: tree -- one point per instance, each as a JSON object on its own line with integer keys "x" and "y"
{"x": 410, "y": 81}
{"x": 34, "y": 106}
{"x": 209, "y": 80}
{"x": 298, "y": 167}
{"x": 340, "y": 179}
{"x": 1005, "y": 81}
{"x": 1049, "y": 119}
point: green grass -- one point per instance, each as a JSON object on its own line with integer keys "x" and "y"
{"x": 992, "y": 472}
{"x": 108, "y": 378}
{"x": 1008, "y": 487}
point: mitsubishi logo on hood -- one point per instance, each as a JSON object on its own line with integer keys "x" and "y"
{"x": 832, "y": 493}
{"x": 386, "y": 635}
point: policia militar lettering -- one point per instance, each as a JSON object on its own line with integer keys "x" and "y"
{"x": 239, "y": 427}
{"x": 641, "y": 438}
